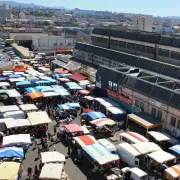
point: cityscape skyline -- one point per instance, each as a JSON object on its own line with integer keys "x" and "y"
{"x": 155, "y": 8}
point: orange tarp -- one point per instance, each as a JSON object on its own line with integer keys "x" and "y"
{"x": 35, "y": 95}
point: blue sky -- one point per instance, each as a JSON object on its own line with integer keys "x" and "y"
{"x": 152, "y": 7}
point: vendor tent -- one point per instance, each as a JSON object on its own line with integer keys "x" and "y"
{"x": 17, "y": 79}
{"x": 103, "y": 122}
{"x": 4, "y": 84}
{"x": 14, "y": 114}
{"x": 16, "y": 139}
{"x": 84, "y": 92}
{"x": 13, "y": 93}
{"x": 90, "y": 98}
{"x": 111, "y": 147}
{"x": 85, "y": 140}
{"x": 158, "y": 136}
{"x": 28, "y": 107}
{"x": 116, "y": 110}
{"x": 73, "y": 86}
{"x": 23, "y": 83}
{"x": 175, "y": 148}
{"x": 9, "y": 170}
{"x": 64, "y": 79}
{"x": 161, "y": 156}
{"x": 31, "y": 78}
{"x": 35, "y": 95}
{"x": 78, "y": 77}
{"x": 93, "y": 115}
{"x": 52, "y": 156}
{"x": 62, "y": 93}
{"x": 51, "y": 171}
{"x": 17, "y": 123}
{"x": 15, "y": 76}
{"x": 173, "y": 171}
{"x": 42, "y": 82}
{"x": 72, "y": 128}
{"x": 4, "y": 109}
{"x": 109, "y": 104}
{"x": 64, "y": 107}
{"x": 10, "y": 152}
{"x": 50, "y": 94}
{"x": 30, "y": 89}
{"x": 74, "y": 105}
{"x": 36, "y": 118}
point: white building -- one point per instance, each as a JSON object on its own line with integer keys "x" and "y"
{"x": 143, "y": 23}
{"x": 52, "y": 42}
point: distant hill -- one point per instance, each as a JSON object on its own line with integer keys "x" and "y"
{"x": 26, "y": 5}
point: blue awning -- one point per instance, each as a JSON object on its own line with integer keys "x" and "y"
{"x": 43, "y": 87}
{"x": 54, "y": 75}
{"x": 73, "y": 86}
{"x": 15, "y": 76}
{"x": 34, "y": 89}
{"x": 93, "y": 115}
{"x": 23, "y": 83}
{"x": 63, "y": 93}
{"x": 10, "y": 152}
{"x": 64, "y": 107}
{"x": 57, "y": 87}
{"x": 74, "y": 105}
{"x": 176, "y": 148}
{"x": 43, "y": 82}
{"x": 2, "y": 79}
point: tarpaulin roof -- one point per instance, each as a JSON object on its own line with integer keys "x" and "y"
{"x": 94, "y": 115}
{"x": 103, "y": 122}
{"x": 19, "y": 69}
{"x": 84, "y": 92}
{"x": 43, "y": 87}
{"x": 64, "y": 106}
{"x": 30, "y": 78}
{"x": 15, "y": 76}
{"x": 2, "y": 84}
{"x": 134, "y": 137}
{"x": 36, "y": 118}
{"x": 17, "y": 79}
{"x": 57, "y": 87}
{"x": 175, "y": 148}
{"x": 74, "y": 86}
{"x": 50, "y": 94}
{"x": 42, "y": 82}
{"x": 35, "y": 95}
{"x": 52, "y": 156}
{"x": 78, "y": 77}
{"x": 90, "y": 98}
{"x": 61, "y": 71}
{"x": 4, "y": 109}
{"x": 17, "y": 123}
{"x": 23, "y": 83}
{"x": 51, "y": 171}
{"x": 9, "y": 170}
{"x": 72, "y": 128}
{"x": 74, "y": 105}
{"x": 14, "y": 114}
{"x": 174, "y": 171}
{"x": 107, "y": 144}
{"x": 161, "y": 156}
{"x": 64, "y": 79}
{"x": 85, "y": 140}
{"x": 10, "y": 152}
{"x": 13, "y": 93}
{"x": 116, "y": 110}
{"x": 17, "y": 139}
{"x": 28, "y": 107}
{"x": 30, "y": 89}
{"x": 158, "y": 136}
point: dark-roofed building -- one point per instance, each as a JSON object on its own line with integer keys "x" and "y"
{"x": 134, "y": 88}
{"x": 147, "y": 44}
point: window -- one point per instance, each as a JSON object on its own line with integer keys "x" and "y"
{"x": 115, "y": 87}
{"x": 99, "y": 79}
{"x": 136, "y": 103}
{"x": 153, "y": 113}
{"x": 110, "y": 84}
{"x": 142, "y": 106}
{"x": 173, "y": 121}
{"x": 178, "y": 124}
{"x": 159, "y": 115}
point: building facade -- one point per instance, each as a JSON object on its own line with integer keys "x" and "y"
{"x": 5, "y": 12}
{"x": 143, "y": 23}
{"x": 152, "y": 45}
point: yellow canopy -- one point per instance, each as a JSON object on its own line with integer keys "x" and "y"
{"x": 9, "y": 170}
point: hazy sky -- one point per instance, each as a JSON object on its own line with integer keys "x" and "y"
{"x": 152, "y": 7}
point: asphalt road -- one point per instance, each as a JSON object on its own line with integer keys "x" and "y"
{"x": 75, "y": 172}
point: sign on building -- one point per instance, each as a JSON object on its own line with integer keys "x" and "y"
{"x": 157, "y": 104}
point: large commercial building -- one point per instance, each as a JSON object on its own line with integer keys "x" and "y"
{"x": 151, "y": 45}
{"x": 143, "y": 23}
{"x": 148, "y": 84}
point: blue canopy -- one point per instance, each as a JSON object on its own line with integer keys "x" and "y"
{"x": 23, "y": 83}
{"x": 15, "y": 76}
{"x": 176, "y": 148}
{"x": 30, "y": 89}
{"x": 43, "y": 87}
{"x": 63, "y": 93}
{"x": 64, "y": 107}
{"x": 73, "y": 86}
{"x": 10, "y": 152}
{"x": 74, "y": 105}
{"x": 57, "y": 87}
{"x": 54, "y": 75}
{"x": 2, "y": 79}
{"x": 93, "y": 115}
{"x": 42, "y": 82}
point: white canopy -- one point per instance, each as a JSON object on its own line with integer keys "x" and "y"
{"x": 16, "y": 79}
{"x": 146, "y": 147}
{"x": 173, "y": 171}
{"x": 14, "y": 123}
{"x": 36, "y": 118}
{"x": 161, "y": 156}
{"x": 4, "y": 109}
{"x": 51, "y": 171}
{"x": 106, "y": 159}
{"x": 14, "y": 114}
{"x": 28, "y": 107}
{"x": 107, "y": 144}
{"x": 115, "y": 110}
{"x": 158, "y": 136}
{"x": 103, "y": 122}
{"x": 100, "y": 100}
{"x": 17, "y": 139}
{"x": 84, "y": 82}
{"x": 52, "y": 156}
{"x": 13, "y": 93}
{"x": 50, "y": 94}
{"x": 109, "y": 104}
{"x": 4, "y": 84}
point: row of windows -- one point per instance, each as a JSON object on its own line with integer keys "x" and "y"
{"x": 113, "y": 86}
{"x": 174, "y": 121}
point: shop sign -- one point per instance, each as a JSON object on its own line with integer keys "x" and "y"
{"x": 119, "y": 97}
{"x": 157, "y": 104}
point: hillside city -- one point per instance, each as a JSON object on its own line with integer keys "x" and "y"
{"x": 88, "y": 94}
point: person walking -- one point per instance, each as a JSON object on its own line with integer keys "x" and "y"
{"x": 29, "y": 172}
{"x": 39, "y": 152}
{"x": 35, "y": 143}
{"x": 21, "y": 169}
{"x": 55, "y": 130}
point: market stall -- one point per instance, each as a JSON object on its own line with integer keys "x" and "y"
{"x": 16, "y": 123}
{"x": 172, "y": 173}
{"x": 28, "y": 107}
{"x": 9, "y": 108}
{"x": 73, "y": 86}
{"x": 32, "y": 89}
{"x": 107, "y": 144}
{"x": 14, "y": 114}
{"x": 11, "y": 152}
{"x": 92, "y": 116}
{"x": 175, "y": 150}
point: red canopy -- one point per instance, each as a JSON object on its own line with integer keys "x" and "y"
{"x": 84, "y": 92}
{"x": 87, "y": 110}
{"x": 61, "y": 71}
{"x": 72, "y": 128}
{"x": 63, "y": 50}
{"x": 78, "y": 77}
{"x": 19, "y": 69}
